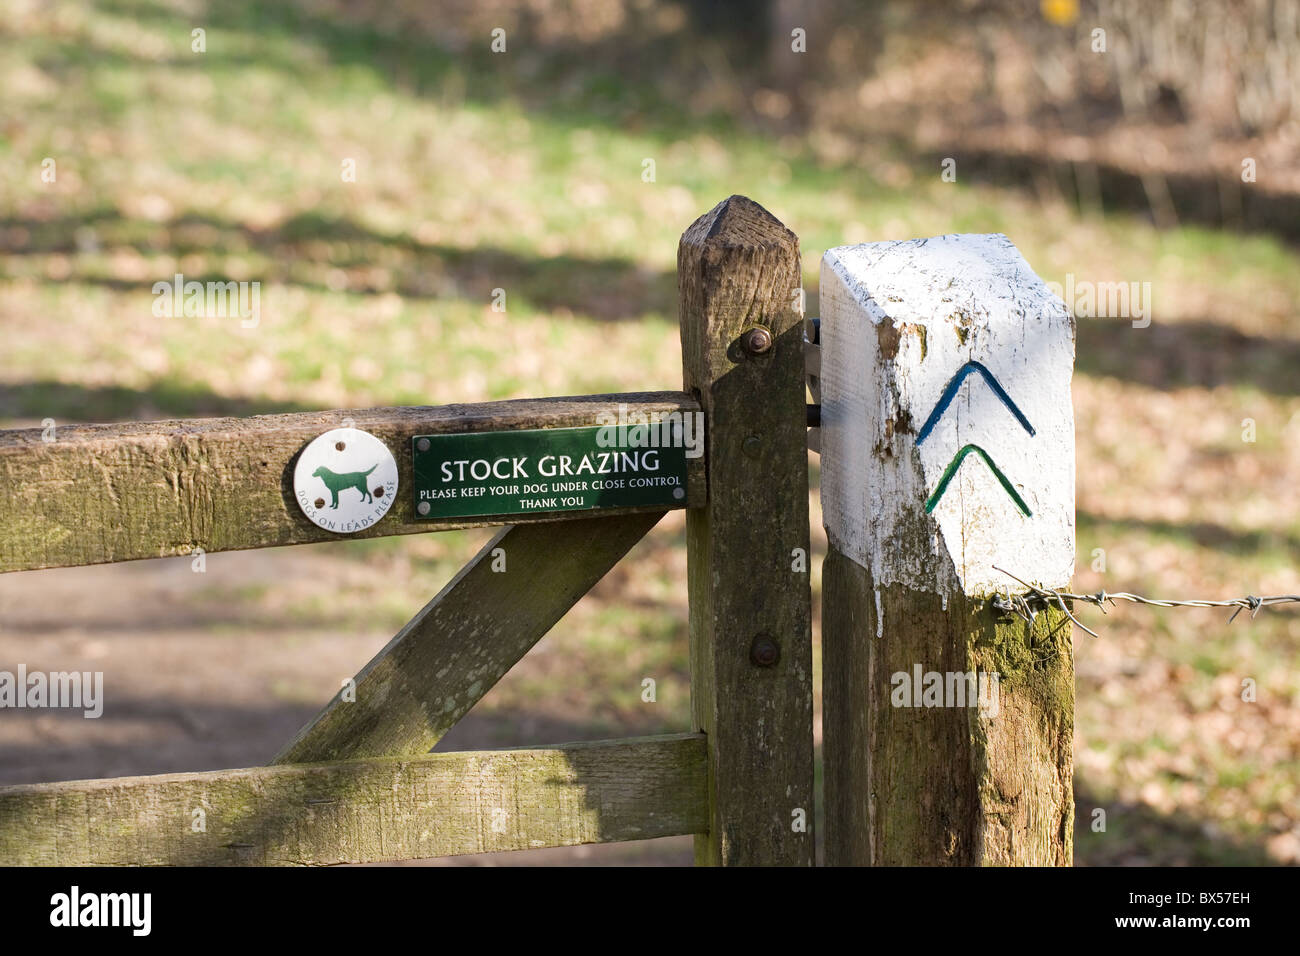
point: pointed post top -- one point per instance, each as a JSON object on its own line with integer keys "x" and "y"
{"x": 737, "y": 268}
{"x": 739, "y": 221}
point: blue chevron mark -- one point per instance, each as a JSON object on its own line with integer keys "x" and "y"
{"x": 950, "y": 392}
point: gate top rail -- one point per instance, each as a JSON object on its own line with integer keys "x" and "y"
{"x": 92, "y": 494}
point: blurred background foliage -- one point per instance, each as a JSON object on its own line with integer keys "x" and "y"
{"x": 523, "y": 171}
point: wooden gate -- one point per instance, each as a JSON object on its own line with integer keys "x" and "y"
{"x": 358, "y": 782}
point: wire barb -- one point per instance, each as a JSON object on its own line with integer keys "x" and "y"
{"x": 1026, "y": 606}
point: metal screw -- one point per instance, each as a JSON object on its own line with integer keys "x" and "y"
{"x": 758, "y": 340}
{"x": 422, "y": 444}
{"x": 320, "y": 503}
{"x": 339, "y": 445}
{"x": 752, "y": 446}
{"x": 423, "y": 507}
{"x": 764, "y": 652}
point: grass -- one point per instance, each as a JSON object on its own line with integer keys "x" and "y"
{"x": 523, "y": 172}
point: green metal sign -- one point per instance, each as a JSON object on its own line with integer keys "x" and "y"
{"x": 540, "y": 470}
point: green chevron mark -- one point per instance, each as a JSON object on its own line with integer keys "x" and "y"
{"x": 952, "y": 470}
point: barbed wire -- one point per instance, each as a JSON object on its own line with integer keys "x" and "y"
{"x": 1026, "y": 606}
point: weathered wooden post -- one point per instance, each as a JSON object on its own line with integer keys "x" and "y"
{"x": 947, "y": 452}
{"x": 750, "y": 619}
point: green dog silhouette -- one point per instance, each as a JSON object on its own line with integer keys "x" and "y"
{"x": 353, "y": 479}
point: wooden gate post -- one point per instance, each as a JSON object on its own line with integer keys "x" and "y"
{"x": 750, "y": 604}
{"x": 947, "y": 452}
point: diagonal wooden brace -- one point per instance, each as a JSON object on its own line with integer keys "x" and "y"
{"x": 467, "y": 638}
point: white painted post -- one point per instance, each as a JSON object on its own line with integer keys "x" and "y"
{"x": 947, "y": 452}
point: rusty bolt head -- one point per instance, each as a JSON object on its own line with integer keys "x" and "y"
{"x": 764, "y": 652}
{"x": 758, "y": 340}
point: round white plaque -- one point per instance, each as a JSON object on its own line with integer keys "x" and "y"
{"x": 345, "y": 480}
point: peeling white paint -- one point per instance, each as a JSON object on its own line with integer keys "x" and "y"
{"x": 898, "y": 320}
